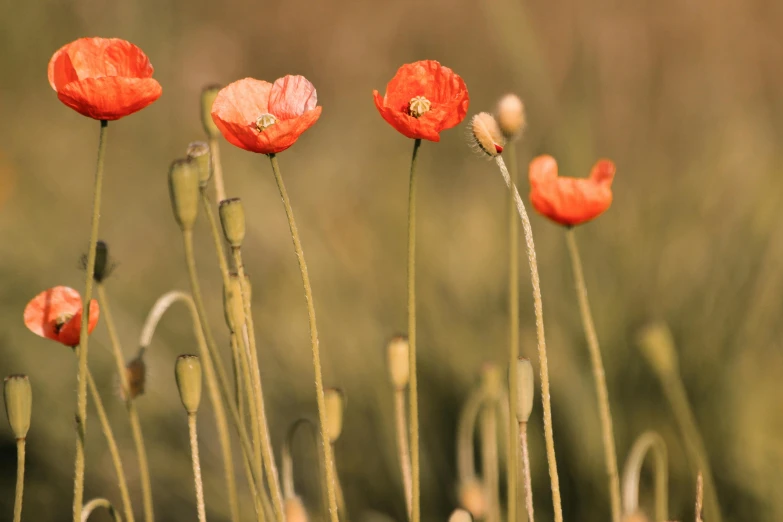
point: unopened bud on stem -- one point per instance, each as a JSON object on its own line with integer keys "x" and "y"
{"x": 525, "y": 387}
{"x": 232, "y": 218}
{"x": 188, "y": 374}
{"x": 486, "y": 134}
{"x": 18, "y": 403}
{"x": 511, "y": 116}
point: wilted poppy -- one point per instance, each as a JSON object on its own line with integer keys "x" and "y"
{"x": 57, "y": 314}
{"x": 423, "y": 99}
{"x": 570, "y": 201}
{"x": 103, "y": 78}
{"x": 266, "y": 117}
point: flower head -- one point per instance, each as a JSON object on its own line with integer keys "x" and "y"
{"x": 103, "y": 78}
{"x": 570, "y": 201}
{"x": 423, "y": 99}
{"x": 486, "y": 134}
{"x": 57, "y": 314}
{"x": 266, "y": 117}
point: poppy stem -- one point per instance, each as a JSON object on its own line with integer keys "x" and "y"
{"x": 202, "y": 514}
{"x": 130, "y": 404}
{"x": 81, "y": 389}
{"x": 466, "y": 428}
{"x": 526, "y": 470}
{"x": 610, "y": 451}
{"x": 96, "y": 503}
{"x": 648, "y": 442}
{"x": 413, "y": 397}
{"x": 489, "y": 460}
{"x": 401, "y": 423}
{"x": 217, "y": 169}
{"x": 319, "y": 386}
{"x": 542, "y": 357}
{"x": 20, "y": 447}
{"x": 513, "y": 336}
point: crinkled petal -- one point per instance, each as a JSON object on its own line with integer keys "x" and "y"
{"x": 414, "y": 128}
{"x": 292, "y": 96}
{"x": 275, "y": 138}
{"x": 110, "y": 97}
{"x": 70, "y": 332}
{"x": 43, "y": 311}
{"x": 242, "y": 102}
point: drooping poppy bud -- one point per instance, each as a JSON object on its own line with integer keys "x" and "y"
{"x": 184, "y": 192}
{"x": 103, "y": 264}
{"x": 56, "y": 314}
{"x": 511, "y": 116}
{"x": 188, "y": 374}
{"x": 486, "y": 134}
{"x": 18, "y": 403}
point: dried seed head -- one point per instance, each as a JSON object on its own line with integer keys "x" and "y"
{"x": 18, "y": 403}
{"x": 511, "y": 116}
{"x": 525, "y": 389}
{"x": 460, "y": 515}
{"x": 486, "y": 134}
{"x": 657, "y": 346}
{"x": 188, "y": 374}
{"x": 418, "y": 106}
{"x": 208, "y": 95}
{"x": 295, "y": 510}
{"x": 198, "y": 151}
{"x": 136, "y": 376}
{"x": 264, "y": 121}
{"x": 232, "y": 218}
{"x": 472, "y": 497}
{"x": 184, "y": 192}
{"x": 397, "y": 352}
{"x": 233, "y": 305}
{"x": 335, "y": 404}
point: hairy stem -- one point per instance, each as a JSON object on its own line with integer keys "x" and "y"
{"x": 20, "y": 447}
{"x": 96, "y": 503}
{"x": 526, "y": 470}
{"x": 202, "y": 514}
{"x": 513, "y": 336}
{"x": 648, "y": 442}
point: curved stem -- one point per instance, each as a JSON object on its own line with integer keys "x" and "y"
{"x": 513, "y": 336}
{"x": 465, "y": 429}
{"x": 138, "y": 439}
{"x": 542, "y": 357}
{"x": 81, "y": 388}
{"x": 288, "y": 461}
{"x": 217, "y": 169}
{"x": 20, "y": 443}
{"x": 401, "y": 425}
{"x": 319, "y": 385}
{"x": 610, "y": 451}
{"x": 648, "y": 442}
{"x": 526, "y": 471}
{"x": 202, "y": 514}
{"x": 95, "y": 503}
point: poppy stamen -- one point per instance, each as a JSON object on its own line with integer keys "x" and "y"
{"x": 61, "y": 321}
{"x": 264, "y": 121}
{"x": 418, "y": 106}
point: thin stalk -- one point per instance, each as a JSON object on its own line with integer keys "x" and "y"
{"x": 489, "y": 461}
{"x": 202, "y": 514}
{"x": 81, "y": 388}
{"x": 513, "y": 336}
{"x": 699, "y": 496}
{"x": 341, "y": 505}
{"x": 217, "y": 169}
{"x": 319, "y": 385}
{"x": 648, "y": 442}
{"x": 542, "y": 357}
{"x": 130, "y": 405}
{"x": 607, "y": 432}
{"x": 401, "y": 425}
{"x": 287, "y": 470}
{"x": 114, "y": 451}
{"x": 95, "y": 503}
{"x": 466, "y": 427}
{"x": 526, "y": 470}
{"x": 20, "y": 447}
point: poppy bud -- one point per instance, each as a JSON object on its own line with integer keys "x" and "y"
{"x": 460, "y": 515}
{"x": 208, "y": 95}
{"x": 335, "y": 404}
{"x": 486, "y": 134}
{"x": 184, "y": 192}
{"x": 188, "y": 374}
{"x": 198, "y": 151}
{"x": 233, "y": 305}
{"x": 657, "y": 346}
{"x": 511, "y": 116}
{"x": 136, "y": 376}
{"x": 103, "y": 265}
{"x": 397, "y": 353}
{"x": 295, "y": 510}
{"x": 232, "y": 218}
{"x": 472, "y": 498}
{"x": 525, "y": 387}
{"x": 18, "y": 403}
{"x": 491, "y": 380}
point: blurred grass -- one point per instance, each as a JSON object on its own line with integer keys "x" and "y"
{"x": 684, "y": 97}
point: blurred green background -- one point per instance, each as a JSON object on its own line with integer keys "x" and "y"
{"x": 684, "y": 96}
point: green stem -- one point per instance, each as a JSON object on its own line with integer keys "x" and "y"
{"x": 489, "y": 461}
{"x": 341, "y": 505}
{"x": 81, "y": 389}
{"x": 20, "y": 443}
{"x": 607, "y": 432}
{"x": 466, "y": 428}
{"x": 319, "y": 385}
{"x": 401, "y": 423}
{"x": 95, "y": 503}
{"x": 202, "y": 514}
{"x": 648, "y": 442}
{"x": 513, "y": 336}
{"x": 217, "y": 169}
{"x": 526, "y": 470}
{"x": 542, "y": 356}
{"x": 138, "y": 439}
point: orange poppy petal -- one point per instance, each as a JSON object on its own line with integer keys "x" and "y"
{"x": 603, "y": 172}
{"x": 70, "y": 332}
{"x": 242, "y": 102}
{"x": 110, "y": 97}
{"x": 426, "y": 127}
{"x": 44, "y": 311}
{"x": 292, "y": 96}
{"x": 271, "y": 140}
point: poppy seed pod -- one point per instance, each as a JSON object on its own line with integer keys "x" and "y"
{"x": 335, "y": 404}
{"x": 198, "y": 151}
{"x": 184, "y": 192}
{"x": 232, "y": 218}
{"x": 657, "y": 346}
{"x": 460, "y": 515}
{"x": 295, "y": 510}
{"x": 525, "y": 387}
{"x": 511, "y": 116}
{"x": 472, "y": 497}
{"x": 188, "y": 374}
{"x": 233, "y": 304}
{"x": 397, "y": 353}
{"x": 208, "y": 95}
{"x": 18, "y": 403}
{"x": 486, "y": 134}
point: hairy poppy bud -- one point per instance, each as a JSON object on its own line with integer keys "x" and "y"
{"x": 136, "y": 376}
{"x": 525, "y": 387}
{"x": 397, "y": 353}
{"x": 295, "y": 510}
{"x": 511, "y": 116}
{"x": 103, "y": 264}
{"x": 486, "y": 134}
{"x": 657, "y": 346}
{"x": 184, "y": 192}
{"x": 233, "y": 305}
{"x": 460, "y": 515}
{"x": 491, "y": 380}
{"x": 472, "y": 498}
{"x": 188, "y": 374}
{"x": 208, "y": 95}
{"x": 18, "y": 403}
{"x": 232, "y": 218}
{"x": 198, "y": 151}
{"x": 335, "y": 404}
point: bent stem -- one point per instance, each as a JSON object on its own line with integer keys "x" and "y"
{"x": 130, "y": 405}
{"x": 648, "y": 442}
{"x": 466, "y": 428}
{"x": 20, "y": 447}
{"x": 81, "y": 388}
{"x": 542, "y": 357}
{"x": 202, "y": 514}
{"x": 610, "y": 451}
{"x": 95, "y": 503}
{"x": 526, "y": 470}
{"x": 401, "y": 425}
{"x": 287, "y": 470}
{"x": 513, "y": 336}
{"x": 319, "y": 386}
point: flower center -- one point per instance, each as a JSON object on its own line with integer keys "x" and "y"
{"x": 61, "y": 320}
{"x": 264, "y": 121}
{"x": 418, "y": 106}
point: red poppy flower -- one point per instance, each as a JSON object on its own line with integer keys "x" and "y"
{"x": 57, "y": 314}
{"x": 423, "y": 99}
{"x": 103, "y": 78}
{"x": 266, "y": 117}
{"x": 570, "y": 201}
